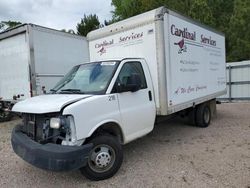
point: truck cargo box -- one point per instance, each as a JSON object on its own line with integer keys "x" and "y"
{"x": 186, "y": 59}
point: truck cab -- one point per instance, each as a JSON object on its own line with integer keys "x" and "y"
{"x": 86, "y": 118}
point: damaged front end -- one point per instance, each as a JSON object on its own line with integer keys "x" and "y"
{"x": 48, "y": 141}
{"x": 49, "y": 128}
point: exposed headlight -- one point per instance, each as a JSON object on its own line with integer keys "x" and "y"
{"x": 55, "y": 123}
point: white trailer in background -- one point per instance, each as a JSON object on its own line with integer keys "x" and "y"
{"x": 33, "y": 59}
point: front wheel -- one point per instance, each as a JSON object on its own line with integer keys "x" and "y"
{"x": 105, "y": 158}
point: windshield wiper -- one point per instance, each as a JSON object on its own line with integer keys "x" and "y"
{"x": 77, "y": 91}
{"x": 53, "y": 90}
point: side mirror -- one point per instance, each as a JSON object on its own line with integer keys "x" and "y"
{"x": 133, "y": 83}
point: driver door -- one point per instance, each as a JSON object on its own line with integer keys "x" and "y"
{"x": 137, "y": 108}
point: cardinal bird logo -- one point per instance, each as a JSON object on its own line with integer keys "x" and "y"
{"x": 182, "y": 46}
{"x": 102, "y": 51}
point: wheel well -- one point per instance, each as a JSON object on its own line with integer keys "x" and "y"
{"x": 110, "y": 128}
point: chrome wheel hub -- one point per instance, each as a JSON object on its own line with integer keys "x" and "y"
{"x": 103, "y": 159}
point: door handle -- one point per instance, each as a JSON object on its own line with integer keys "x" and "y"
{"x": 150, "y": 95}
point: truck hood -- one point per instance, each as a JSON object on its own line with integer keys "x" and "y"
{"x": 46, "y": 103}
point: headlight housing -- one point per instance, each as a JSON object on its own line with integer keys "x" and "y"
{"x": 55, "y": 123}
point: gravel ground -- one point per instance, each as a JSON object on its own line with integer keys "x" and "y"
{"x": 173, "y": 155}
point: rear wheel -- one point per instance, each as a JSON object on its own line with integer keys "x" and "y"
{"x": 192, "y": 116}
{"x": 203, "y": 115}
{"x": 105, "y": 158}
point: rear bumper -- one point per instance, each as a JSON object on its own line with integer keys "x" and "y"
{"x": 49, "y": 156}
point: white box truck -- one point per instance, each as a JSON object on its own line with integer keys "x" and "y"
{"x": 152, "y": 65}
{"x": 33, "y": 59}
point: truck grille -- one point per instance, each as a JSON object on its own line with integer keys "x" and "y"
{"x": 37, "y": 126}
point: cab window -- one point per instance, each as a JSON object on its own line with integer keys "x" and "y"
{"x": 127, "y": 71}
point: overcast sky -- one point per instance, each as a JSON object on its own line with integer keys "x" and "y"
{"x": 57, "y": 14}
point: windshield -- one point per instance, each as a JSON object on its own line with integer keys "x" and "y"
{"x": 90, "y": 78}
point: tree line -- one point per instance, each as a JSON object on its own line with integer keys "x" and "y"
{"x": 232, "y": 17}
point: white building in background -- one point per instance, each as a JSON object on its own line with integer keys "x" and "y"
{"x": 238, "y": 81}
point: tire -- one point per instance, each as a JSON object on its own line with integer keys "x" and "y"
{"x": 192, "y": 117}
{"x": 203, "y": 116}
{"x": 108, "y": 149}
